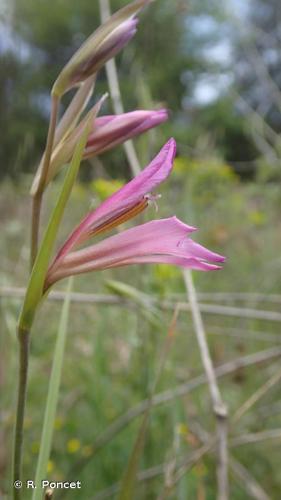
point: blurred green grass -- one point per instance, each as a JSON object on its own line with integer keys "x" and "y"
{"x": 112, "y": 351}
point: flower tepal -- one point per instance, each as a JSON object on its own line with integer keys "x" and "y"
{"x": 107, "y": 132}
{"x": 159, "y": 241}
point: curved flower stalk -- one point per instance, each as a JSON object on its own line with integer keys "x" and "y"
{"x": 107, "y": 132}
{"x": 101, "y": 46}
{"x": 162, "y": 241}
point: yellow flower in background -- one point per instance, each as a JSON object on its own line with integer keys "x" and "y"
{"x": 181, "y": 165}
{"x": 50, "y": 466}
{"x": 182, "y": 429}
{"x": 105, "y": 188}
{"x": 73, "y": 445}
{"x": 164, "y": 272}
{"x": 257, "y": 218}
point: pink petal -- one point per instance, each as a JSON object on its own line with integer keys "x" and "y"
{"x": 169, "y": 259}
{"x": 110, "y": 131}
{"x": 155, "y": 173}
{"x": 162, "y": 240}
{"x": 198, "y": 251}
{"x": 126, "y": 197}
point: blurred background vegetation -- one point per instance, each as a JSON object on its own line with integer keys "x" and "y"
{"x": 217, "y": 68}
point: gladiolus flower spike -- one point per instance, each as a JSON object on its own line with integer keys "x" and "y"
{"x": 158, "y": 241}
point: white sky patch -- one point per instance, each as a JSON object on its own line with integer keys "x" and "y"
{"x": 6, "y": 10}
{"x": 218, "y": 33}
{"x": 219, "y": 53}
{"x": 208, "y": 90}
{"x": 202, "y": 25}
{"x": 9, "y": 42}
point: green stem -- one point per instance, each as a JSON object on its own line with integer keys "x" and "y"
{"x": 35, "y": 221}
{"x": 38, "y": 195}
{"x": 23, "y": 337}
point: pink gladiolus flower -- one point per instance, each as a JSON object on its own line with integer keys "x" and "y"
{"x": 107, "y": 132}
{"x": 162, "y": 241}
{"x": 110, "y": 131}
{"x": 110, "y": 47}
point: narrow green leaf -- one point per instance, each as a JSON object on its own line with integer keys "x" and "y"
{"x": 128, "y": 482}
{"x": 52, "y": 397}
{"x": 36, "y": 283}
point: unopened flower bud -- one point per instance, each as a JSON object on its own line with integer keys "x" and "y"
{"x": 101, "y": 46}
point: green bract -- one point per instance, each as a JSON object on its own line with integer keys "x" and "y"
{"x": 35, "y": 287}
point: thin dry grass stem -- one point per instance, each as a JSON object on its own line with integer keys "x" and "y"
{"x": 240, "y": 296}
{"x": 259, "y": 121}
{"x": 238, "y": 312}
{"x": 158, "y": 470}
{"x": 169, "y": 395}
{"x": 176, "y": 475}
{"x": 246, "y": 335}
{"x": 114, "y": 88}
{"x": 219, "y": 407}
{"x": 256, "y": 437}
{"x": 104, "y": 299}
{"x": 251, "y": 485}
{"x": 254, "y": 398}
{"x": 247, "y": 481}
{"x": 264, "y": 136}
{"x": 196, "y": 457}
{"x": 188, "y": 461}
{"x": 267, "y": 140}
{"x": 11, "y": 291}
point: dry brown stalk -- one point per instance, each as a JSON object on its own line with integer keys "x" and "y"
{"x": 219, "y": 407}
